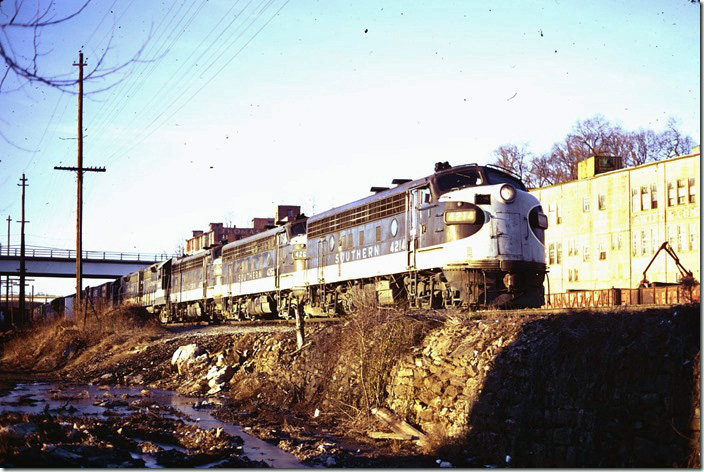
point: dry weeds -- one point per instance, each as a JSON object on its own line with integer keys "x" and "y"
{"x": 49, "y": 346}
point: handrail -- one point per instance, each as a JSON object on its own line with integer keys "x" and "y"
{"x": 13, "y": 251}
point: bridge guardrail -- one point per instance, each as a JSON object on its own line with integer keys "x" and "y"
{"x": 87, "y": 255}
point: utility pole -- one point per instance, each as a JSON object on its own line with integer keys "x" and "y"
{"x": 22, "y": 261}
{"x": 79, "y": 193}
{"x": 7, "y": 278}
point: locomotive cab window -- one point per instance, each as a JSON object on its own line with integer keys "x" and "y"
{"x": 458, "y": 180}
{"x": 495, "y": 177}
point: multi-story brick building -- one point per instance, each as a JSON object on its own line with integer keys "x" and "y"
{"x": 219, "y": 233}
{"x": 606, "y": 226}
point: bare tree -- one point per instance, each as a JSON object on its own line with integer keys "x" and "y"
{"x": 674, "y": 143}
{"x": 644, "y": 146}
{"x": 514, "y": 158}
{"x": 541, "y": 173}
{"x": 19, "y": 18}
{"x": 595, "y": 136}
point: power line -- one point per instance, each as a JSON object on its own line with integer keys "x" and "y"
{"x": 146, "y": 133}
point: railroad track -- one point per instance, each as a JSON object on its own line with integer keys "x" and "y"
{"x": 478, "y": 314}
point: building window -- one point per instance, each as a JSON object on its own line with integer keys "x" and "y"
{"x": 645, "y": 197}
{"x": 671, "y": 232}
{"x": 569, "y": 275}
{"x": 653, "y": 196}
{"x": 586, "y": 256}
{"x": 635, "y": 244}
{"x": 615, "y": 241}
{"x": 551, "y": 254}
{"x": 635, "y": 199}
{"x": 681, "y": 192}
{"x": 361, "y": 239}
{"x": 576, "y": 275}
{"x": 557, "y": 212}
{"x": 643, "y": 243}
{"x": 680, "y": 237}
{"x": 558, "y": 256}
{"x": 378, "y": 234}
{"x": 691, "y": 185}
{"x": 670, "y": 194}
{"x": 693, "y": 236}
{"x": 570, "y": 247}
{"x": 585, "y": 205}
{"x": 602, "y": 202}
{"x": 552, "y": 213}
{"x": 602, "y": 251}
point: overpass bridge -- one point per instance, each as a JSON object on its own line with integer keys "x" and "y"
{"x": 47, "y": 262}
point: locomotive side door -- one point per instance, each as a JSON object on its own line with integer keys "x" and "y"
{"x": 279, "y": 258}
{"x": 322, "y": 259}
{"x": 417, "y": 226}
{"x": 412, "y": 204}
{"x": 204, "y": 278}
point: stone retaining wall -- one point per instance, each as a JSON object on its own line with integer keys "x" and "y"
{"x": 568, "y": 391}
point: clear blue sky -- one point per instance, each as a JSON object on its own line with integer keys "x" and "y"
{"x": 244, "y": 105}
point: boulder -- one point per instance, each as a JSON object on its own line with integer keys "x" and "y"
{"x": 185, "y": 354}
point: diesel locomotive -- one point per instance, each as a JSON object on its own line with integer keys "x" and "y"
{"x": 468, "y": 236}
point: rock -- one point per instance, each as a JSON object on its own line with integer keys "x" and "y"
{"x": 19, "y": 430}
{"x": 562, "y": 436}
{"x": 134, "y": 379}
{"x": 185, "y": 354}
{"x": 217, "y": 377}
{"x": 148, "y": 447}
{"x": 220, "y": 360}
{"x": 106, "y": 378}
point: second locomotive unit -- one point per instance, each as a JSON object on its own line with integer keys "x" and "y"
{"x": 467, "y": 236}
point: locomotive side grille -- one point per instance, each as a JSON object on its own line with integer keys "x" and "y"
{"x": 249, "y": 249}
{"x": 357, "y": 216}
{"x": 194, "y": 264}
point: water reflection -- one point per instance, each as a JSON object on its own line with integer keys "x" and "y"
{"x": 91, "y": 400}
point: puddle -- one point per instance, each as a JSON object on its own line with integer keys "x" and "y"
{"x": 80, "y": 400}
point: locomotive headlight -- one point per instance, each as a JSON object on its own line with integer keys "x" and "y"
{"x": 464, "y": 216}
{"x": 507, "y": 193}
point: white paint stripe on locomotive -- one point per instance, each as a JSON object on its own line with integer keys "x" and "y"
{"x": 195, "y": 294}
{"x": 266, "y": 284}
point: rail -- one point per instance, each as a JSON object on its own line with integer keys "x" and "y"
{"x": 13, "y": 251}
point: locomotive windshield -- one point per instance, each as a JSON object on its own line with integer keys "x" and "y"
{"x": 473, "y": 177}
{"x": 495, "y": 177}
{"x": 457, "y": 180}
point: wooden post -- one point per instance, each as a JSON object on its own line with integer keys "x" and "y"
{"x": 300, "y": 326}
{"x": 23, "y": 316}
{"x": 78, "y": 304}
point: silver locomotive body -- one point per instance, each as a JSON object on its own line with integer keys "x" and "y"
{"x": 467, "y": 236}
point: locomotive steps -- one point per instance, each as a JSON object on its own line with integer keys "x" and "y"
{"x": 607, "y": 389}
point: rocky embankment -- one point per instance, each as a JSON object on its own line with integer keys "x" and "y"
{"x": 579, "y": 389}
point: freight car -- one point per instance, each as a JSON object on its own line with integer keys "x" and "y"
{"x": 468, "y": 236}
